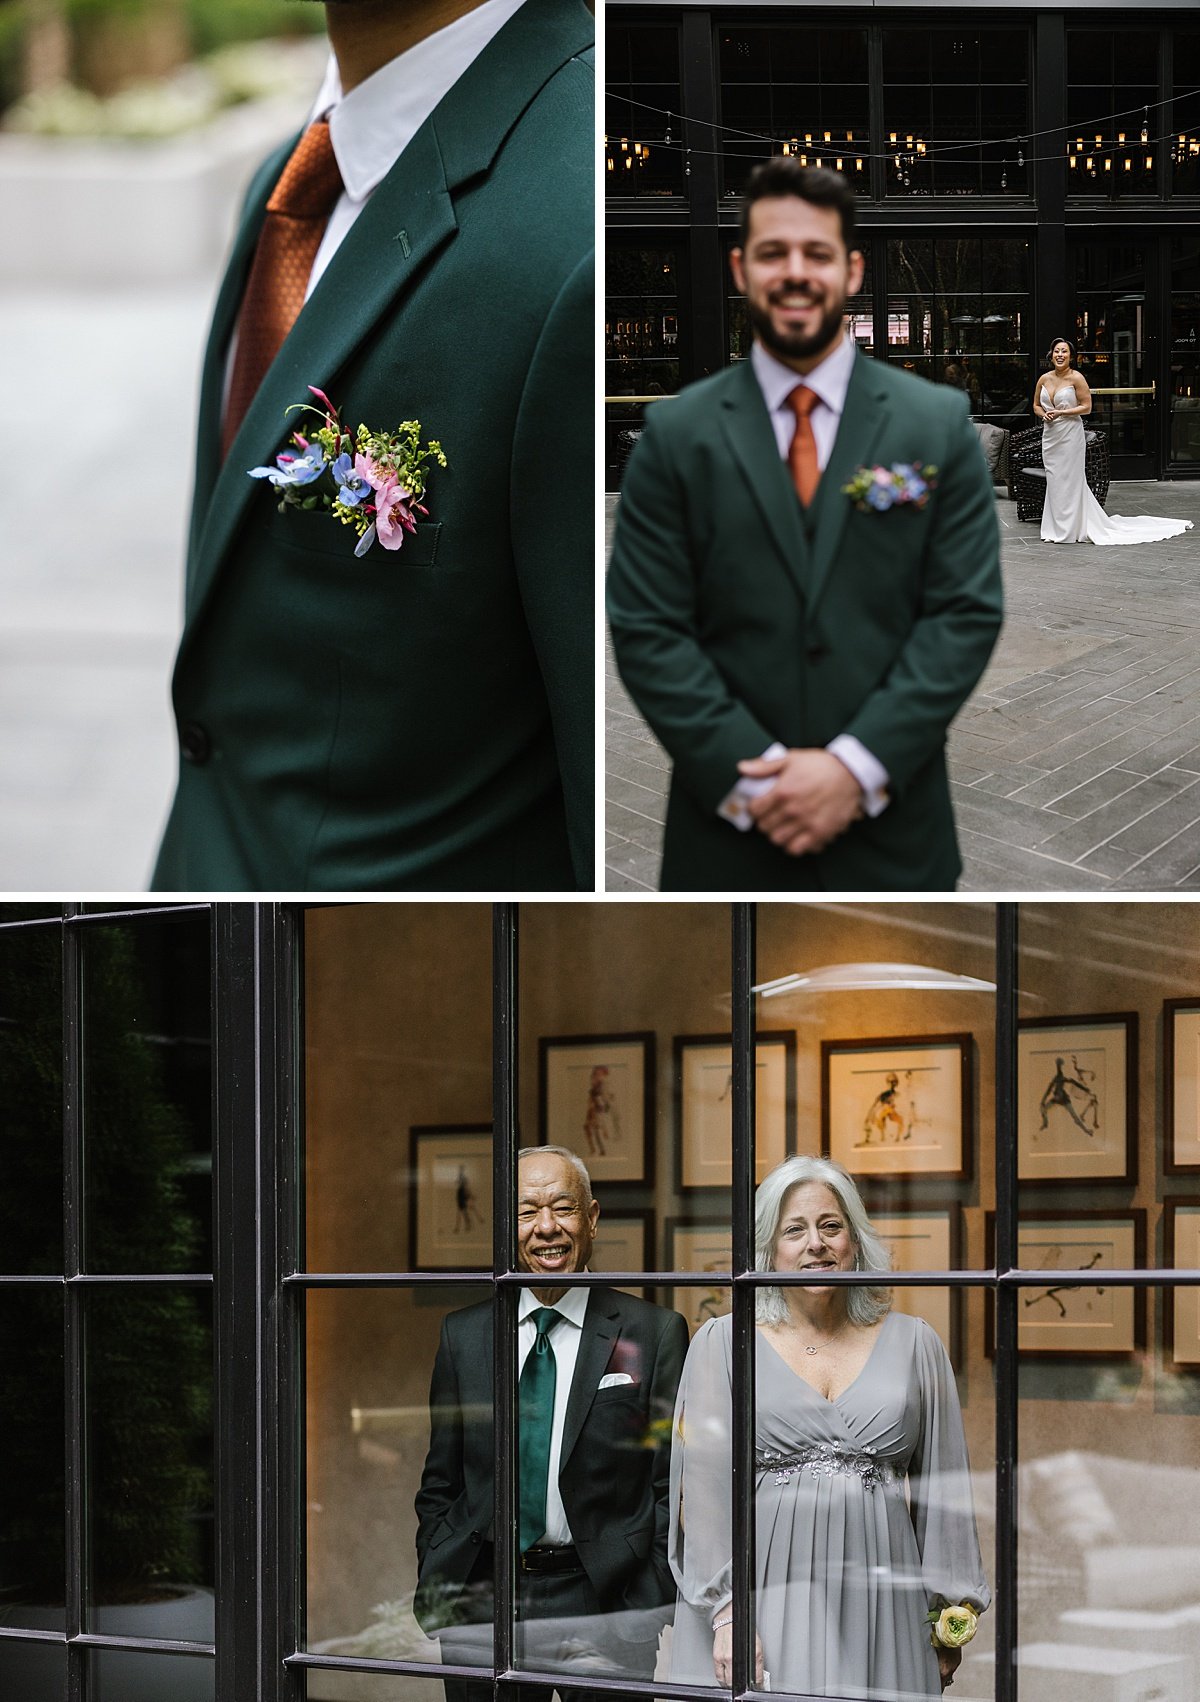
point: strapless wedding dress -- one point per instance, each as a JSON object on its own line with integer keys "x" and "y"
{"x": 1072, "y": 515}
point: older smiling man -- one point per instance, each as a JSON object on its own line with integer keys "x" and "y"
{"x": 598, "y": 1370}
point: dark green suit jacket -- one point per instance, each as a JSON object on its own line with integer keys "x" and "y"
{"x": 420, "y": 719}
{"x": 739, "y": 619}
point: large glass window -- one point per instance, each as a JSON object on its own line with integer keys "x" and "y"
{"x": 956, "y": 111}
{"x": 959, "y": 314}
{"x": 794, "y": 88}
{"x": 1185, "y": 118}
{"x": 643, "y": 144}
{"x": 1114, "y": 120}
{"x": 1111, "y": 324}
{"x": 1185, "y": 348}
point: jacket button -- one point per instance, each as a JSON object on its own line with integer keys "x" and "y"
{"x": 817, "y": 652}
{"x": 475, "y": 1536}
{"x": 195, "y": 742}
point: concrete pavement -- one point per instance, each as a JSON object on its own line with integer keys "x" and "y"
{"x": 1075, "y": 767}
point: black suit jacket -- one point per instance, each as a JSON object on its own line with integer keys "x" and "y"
{"x": 613, "y": 1484}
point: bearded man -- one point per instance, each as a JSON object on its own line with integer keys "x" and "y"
{"x": 805, "y": 582}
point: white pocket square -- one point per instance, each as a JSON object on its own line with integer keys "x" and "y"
{"x": 614, "y": 1380}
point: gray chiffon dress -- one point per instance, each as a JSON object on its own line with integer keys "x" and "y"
{"x": 863, "y": 1515}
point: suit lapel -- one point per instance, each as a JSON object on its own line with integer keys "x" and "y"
{"x": 863, "y": 420}
{"x": 408, "y": 219}
{"x": 751, "y": 438}
{"x": 601, "y": 1327}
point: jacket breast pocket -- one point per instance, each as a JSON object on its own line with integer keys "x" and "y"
{"x": 319, "y": 534}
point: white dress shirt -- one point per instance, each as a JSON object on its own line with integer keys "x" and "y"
{"x": 830, "y": 379}
{"x": 564, "y": 1338}
{"x": 372, "y": 125}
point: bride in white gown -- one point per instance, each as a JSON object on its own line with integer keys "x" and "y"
{"x": 1072, "y": 515}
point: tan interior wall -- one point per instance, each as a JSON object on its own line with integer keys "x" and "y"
{"x": 398, "y": 1032}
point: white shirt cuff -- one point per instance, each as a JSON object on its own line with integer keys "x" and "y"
{"x": 870, "y": 773}
{"x": 735, "y": 805}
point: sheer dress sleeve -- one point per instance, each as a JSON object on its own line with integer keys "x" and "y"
{"x": 701, "y": 1534}
{"x": 943, "y": 1511}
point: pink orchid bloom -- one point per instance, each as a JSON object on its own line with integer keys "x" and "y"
{"x": 365, "y": 469}
{"x": 394, "y": 517}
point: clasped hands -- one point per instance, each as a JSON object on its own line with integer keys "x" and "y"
{"x": 814, "y": 799}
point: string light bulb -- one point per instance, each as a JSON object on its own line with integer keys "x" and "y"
{"x": 1145, "y": 125}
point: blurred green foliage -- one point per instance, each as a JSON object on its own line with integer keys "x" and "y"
{"x": 211, "y": 24}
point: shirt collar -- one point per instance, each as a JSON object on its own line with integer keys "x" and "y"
{"x": 372, "y": 125}
{"x": 572, "y": 1304}
{"x": 830, "y": 378}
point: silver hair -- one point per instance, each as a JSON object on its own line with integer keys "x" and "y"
{"x": 572, "y": 1158}
{"x": 863, "y": 1305}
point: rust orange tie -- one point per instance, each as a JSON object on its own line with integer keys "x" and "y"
{"x": 297, "y": 214}
{"x": 802, "y": 456}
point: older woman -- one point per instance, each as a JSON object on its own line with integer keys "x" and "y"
{"x": 854, "y": 1401}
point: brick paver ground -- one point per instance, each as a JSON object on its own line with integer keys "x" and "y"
{"x": 1075, "y": 767}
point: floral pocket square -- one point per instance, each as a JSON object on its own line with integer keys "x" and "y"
{"x": 373, "y": 480}
{"x": 902, "y": 485}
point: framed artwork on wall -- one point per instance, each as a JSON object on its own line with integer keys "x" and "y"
{"x": 1077, "y": 1099}
{"x": 927, "y": 1238}
{"x": 1181, "y": 1306}
{"x": 704, "y": 1107}
{"x": 1181, "y": 1087}
{"x": 596, "y": 1096}
{"x": 899, "y": 1107}
{"x": 450, "y": 1196}
{"x": 624, "y": 1242}
{"x": 1076, "y": 1321}
{"x": 699, "y": 1244}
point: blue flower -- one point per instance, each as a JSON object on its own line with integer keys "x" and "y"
{"x": 365, "y": 542}
{"x": 352, "y": 487}
{"x": 880, "y": 497}
{"x": 293, "y": 469}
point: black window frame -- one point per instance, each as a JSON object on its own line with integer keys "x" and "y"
{"x": 259, "y": 1286}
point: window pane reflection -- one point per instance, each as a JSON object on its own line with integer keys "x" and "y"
{"x": 1107, "y": 1032}
{"x": 383, "y": 1580}
{"x": 1107, "y": 1445}
{"x": 398, "y": 1085}
{"x": 380, "y": 1687}
{"x": 31, "y": 1237}
{"x": 35, "y": 1672}
{"x": 32, "y": 1511}
{"x": 148, "y": 1392}
{"x": 893, "y": 1013}
{"x": 117, "y": 1676}
{"x": 598, "y": 1373}
{"x": 608, "y": 994}
{"x": 147, "y": 1097}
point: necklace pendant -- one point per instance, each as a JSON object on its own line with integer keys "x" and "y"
{"x": 812, "y": 1350}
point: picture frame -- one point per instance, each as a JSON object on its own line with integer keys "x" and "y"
{"x": 450, "y": 1196}
{"x": 704, "y": 1107}
{"x": 928, "y": 1237}
{"x": 596, "y": 1096}
{"x": 1181, "y": 1086}
{"x": 900, "y": 1106}
{"x": 1077, "y": 1099}
{"x": 1181, "y": 1306}
{"x": 1075, "y": 1322}
{"x": 625, "y": 1242}
{"x": 699, "y": 1244}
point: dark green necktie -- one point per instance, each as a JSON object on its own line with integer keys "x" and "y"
{"x": 535, "y": 1392}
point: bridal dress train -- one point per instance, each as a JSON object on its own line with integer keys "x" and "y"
{"x": 848, "y": 1564}
{"x": 1072, "y": 515}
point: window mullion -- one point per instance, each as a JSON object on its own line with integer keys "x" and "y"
{"x": 1006, "y": 1301}
{"x": 504, "y": 1295}
{"x": 73, "y": 1309}
{"x": 742, "y": 1486}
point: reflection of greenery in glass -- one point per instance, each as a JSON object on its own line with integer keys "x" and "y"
{"x": 148, "y": 1395}
{"x": 148, "y": 1351}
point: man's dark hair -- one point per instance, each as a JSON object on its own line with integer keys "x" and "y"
{"x": 784, "y": 175}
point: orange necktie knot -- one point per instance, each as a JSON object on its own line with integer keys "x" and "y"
{"x": 802, "y": 456}
{"x": 311, "y": 181}
{"x": 295, "y": 222}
